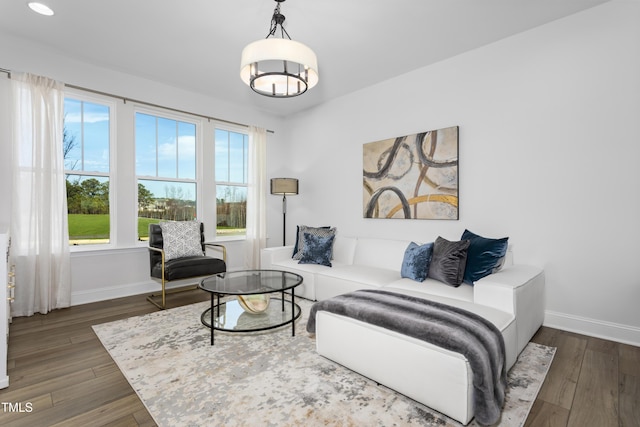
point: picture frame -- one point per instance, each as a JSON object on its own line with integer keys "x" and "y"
{"x": 412, "y": 176}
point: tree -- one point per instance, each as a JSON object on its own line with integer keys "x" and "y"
{"x": 95, "y": 196}
{"x": 145, "y": 197}
{"x": 74, "y": 196}
{"x": 68, "y": 143}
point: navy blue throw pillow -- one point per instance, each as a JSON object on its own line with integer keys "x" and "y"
{"x": 301, "y": 229}
{"x": 317, "y": 249}
{"x": 484, "y": 256}
{"x": 415, "y": 264}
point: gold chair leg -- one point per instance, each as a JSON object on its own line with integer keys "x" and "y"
{"x": 152, "y": 301}
{"x": 165, "y": 292}
{"x": 151, "y": 297}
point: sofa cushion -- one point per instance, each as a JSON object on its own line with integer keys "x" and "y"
{"x": 365, "y": 275}
{"x": 380, "y": 253}
{"x": 309, "y": 273}
{"x": 344, "y": 249}
{"x": 484, "y": 257}
{"x": 499, "y": 318}
{"x": 429, "y": 287}
{"x": 316, "y": 231}
{"x": 316, "y": 249}
{"x": 448, "y": 261}
{"x": 417, "y": 258}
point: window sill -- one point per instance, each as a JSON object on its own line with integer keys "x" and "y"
{"x": 106, "y": 251}
{"x": 224, "y": 239}
{"x": 74, "y": 249}
{"x": 81, "y": 250}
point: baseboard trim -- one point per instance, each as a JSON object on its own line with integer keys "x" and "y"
{"x": 125, "y": 290}
{"x": 595, "y": 328}
{"x": 112, "y": 292}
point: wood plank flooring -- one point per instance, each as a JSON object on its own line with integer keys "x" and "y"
{"x": 60, "y": 375}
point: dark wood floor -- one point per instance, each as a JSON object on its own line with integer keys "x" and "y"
{"x": 60, "y": 375}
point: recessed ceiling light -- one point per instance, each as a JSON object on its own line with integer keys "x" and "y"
{"x": 40, "y": 8}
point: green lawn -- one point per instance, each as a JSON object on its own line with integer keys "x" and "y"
{"x": 143, "y": 227}
{"x": 96, "y": 227}
{"x": 85, "y": 229}
{"x": 88, "y": 226}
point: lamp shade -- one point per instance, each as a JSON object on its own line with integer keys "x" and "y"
{"x": 279, "y": 67}
{"x": 284, "y": 186}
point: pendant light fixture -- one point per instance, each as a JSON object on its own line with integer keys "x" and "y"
{"x": 278, "y": 67}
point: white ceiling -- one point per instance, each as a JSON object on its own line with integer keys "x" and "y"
{"x": 196, "y": 44}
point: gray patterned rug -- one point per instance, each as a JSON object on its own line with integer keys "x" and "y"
{"x": 272, "y": 378}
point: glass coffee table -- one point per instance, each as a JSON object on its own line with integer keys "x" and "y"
{"x": 230, "y": 316}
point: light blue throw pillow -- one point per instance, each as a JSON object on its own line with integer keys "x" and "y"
{"x": 316, "y": 249}
{"x": 415, "y": 265}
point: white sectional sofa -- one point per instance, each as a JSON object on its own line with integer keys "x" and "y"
{"x": 512, "y": 299}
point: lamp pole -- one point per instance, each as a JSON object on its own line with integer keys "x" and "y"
{"x": 284, "y": 219}
{"x": 284, "y": 186}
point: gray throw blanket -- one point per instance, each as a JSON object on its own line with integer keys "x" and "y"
{"x": 445, "y": 326}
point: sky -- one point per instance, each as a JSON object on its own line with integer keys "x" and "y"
{"x": 165, "y": 148}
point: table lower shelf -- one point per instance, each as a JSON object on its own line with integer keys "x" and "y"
{"x": 233, "y": 318}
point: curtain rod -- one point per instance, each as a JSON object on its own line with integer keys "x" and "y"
{"x": 149, "y": 104}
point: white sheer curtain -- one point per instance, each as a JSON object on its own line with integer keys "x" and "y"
{"x": 256, "y": 197}
{"x": 39, "y": 231}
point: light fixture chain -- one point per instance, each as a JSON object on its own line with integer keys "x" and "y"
{"x": 277, "y": 20}
{"x": 284, "y": 31}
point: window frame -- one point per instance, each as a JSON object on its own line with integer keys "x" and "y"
{"x": 123, "y": 181}
{"x": 198, "y": 180}
{"x": 245, "y": 184}
{"x": 84, "y": 96}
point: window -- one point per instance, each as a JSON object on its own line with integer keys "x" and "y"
{"x": 231, "y": 182}
{"x": 165, "y": 169}
{"x": 130, "y": 164}
{"x": 86, "y": 151}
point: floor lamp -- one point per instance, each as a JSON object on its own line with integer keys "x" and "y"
{"x": 284, "y": 186}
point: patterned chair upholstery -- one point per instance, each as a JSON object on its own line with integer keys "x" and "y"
{"x": 185, "y": 259}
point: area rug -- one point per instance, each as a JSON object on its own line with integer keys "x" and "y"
{"x": 271, "y": 378}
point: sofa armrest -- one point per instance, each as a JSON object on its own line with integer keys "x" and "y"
{"x": 269, "y": 256}
{"x": 519, "y": 290}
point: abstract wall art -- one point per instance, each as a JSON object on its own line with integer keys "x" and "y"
{"x": 412, "y": 176}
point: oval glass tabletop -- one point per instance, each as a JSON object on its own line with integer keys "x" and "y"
{"x": 248, "y": 282}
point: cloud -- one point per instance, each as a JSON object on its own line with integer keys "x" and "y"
{"x": 93, "y": 117}
{"x": 186, "y": 147}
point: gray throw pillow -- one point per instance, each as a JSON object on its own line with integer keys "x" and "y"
{"x": 181, "y": 239}
{"x": 448, "y": 261}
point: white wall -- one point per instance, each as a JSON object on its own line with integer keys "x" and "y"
{"x": 123, "y": 271}
{"x": 549, "y": 142}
